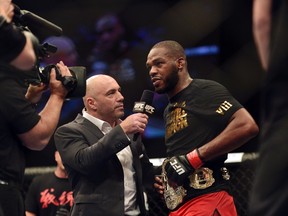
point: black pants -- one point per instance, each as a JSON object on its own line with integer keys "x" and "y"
{"x": 11, "y": 201}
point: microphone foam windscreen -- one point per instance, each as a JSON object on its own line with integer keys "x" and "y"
{"x": 147, "y": 97}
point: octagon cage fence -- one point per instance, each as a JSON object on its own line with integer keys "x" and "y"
{"x": 241, "y": 169}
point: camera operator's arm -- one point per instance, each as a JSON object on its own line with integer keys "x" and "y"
{"x": 16, "y": 47}
{"x": 38, "y": 137}
{"x": 34, "y": 92}
{"x": 27, "y": 57}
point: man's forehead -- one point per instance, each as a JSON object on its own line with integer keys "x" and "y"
{"x": 157, "y": 53}
{"x": 111, "y": 85}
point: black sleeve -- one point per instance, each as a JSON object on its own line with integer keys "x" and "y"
{"x": 12, "y": 41}
{"x": 216, "y": 103}
{"x": 82, "y": 151}
{"x": 18, "y": 112}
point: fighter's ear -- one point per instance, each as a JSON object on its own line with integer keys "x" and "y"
{"x": 180, "y": 63}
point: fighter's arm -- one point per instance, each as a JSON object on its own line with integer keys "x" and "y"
{"x": 240, "y": 129}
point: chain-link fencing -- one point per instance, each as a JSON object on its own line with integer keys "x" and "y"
{"x": 242, "y": 174}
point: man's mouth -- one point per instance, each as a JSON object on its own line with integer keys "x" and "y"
{"x": 120, "y": 106}
{"x": 155, "y": 81}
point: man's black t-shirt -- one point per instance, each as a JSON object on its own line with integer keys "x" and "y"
{"x": 17, "y": 116}
{"x": 47, "y": 194}
{"x": 195, "y": 116}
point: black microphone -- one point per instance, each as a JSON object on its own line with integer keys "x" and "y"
{"x": 143, "y": 106}
{"x": 39, "y": 26}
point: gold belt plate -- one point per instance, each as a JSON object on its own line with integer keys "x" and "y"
{"x": 201, "y": 178}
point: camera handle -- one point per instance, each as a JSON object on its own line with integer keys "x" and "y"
{"x": 69, "y": 82}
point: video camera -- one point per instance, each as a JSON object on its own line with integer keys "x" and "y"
{"x": 41, "y": 29}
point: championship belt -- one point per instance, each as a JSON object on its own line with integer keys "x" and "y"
{"x": 173, "y": 196}
{"x": 201, "y": 178}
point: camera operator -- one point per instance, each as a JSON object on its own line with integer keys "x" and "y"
{"x": 21, "y": 126}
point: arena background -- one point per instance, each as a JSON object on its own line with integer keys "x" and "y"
{"x": 217, "y": 36}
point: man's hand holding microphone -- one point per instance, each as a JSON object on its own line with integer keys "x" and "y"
{"x": 136, "y": 123}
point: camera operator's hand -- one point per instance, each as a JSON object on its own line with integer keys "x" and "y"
{"x": 56, "y": 86}
{"x": 34, "y": 92}
{"x": 7, "y": 10}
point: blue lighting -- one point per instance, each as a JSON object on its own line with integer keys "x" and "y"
{"x": 202, "y": 50}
